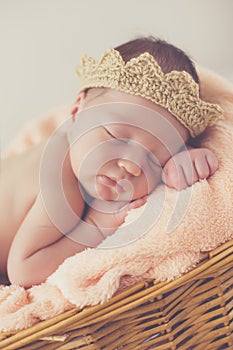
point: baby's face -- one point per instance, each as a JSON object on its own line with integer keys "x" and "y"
{"x": 121, "y": 155}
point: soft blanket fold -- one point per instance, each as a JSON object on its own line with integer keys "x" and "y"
{"x": 187, "y": 223}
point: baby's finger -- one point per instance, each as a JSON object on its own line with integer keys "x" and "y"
{"x": 173, "y": 175}
{"x": 190, "y": 173}
{"x": 202, "y": 168}
{"x": 212, "y": 163}
{"x": 121, "y": 214}
{"x": 138, "y": 203}
{"x": 180, "y": 182}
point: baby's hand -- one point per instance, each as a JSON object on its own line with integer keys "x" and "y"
{"x": 187, "y": 167}
{"x": 107, "y": 216}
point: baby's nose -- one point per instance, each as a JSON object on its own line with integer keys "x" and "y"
{"x": 131, "y": 167}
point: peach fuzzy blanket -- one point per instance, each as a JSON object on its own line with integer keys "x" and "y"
{"x": 186, "y": 224}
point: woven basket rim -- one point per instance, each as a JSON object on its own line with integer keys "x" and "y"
{"x": 133, "y": 296}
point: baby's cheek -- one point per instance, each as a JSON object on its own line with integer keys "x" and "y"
{"x": 73, "y": 157}
{"x": 78, "y": 161}
{"x": 150, "y": 181}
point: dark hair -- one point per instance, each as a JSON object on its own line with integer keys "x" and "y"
{"x": 169, "y": 57}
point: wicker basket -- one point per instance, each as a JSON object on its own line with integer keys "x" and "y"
{"x": 192, "y": 312}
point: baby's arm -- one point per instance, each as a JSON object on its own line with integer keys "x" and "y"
{"x": 40, "y": 244}
{"x": 39, "y": 247}
{"x": 189, "y": 166}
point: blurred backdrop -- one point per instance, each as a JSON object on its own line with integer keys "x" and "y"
{"x": 42, "y": 42}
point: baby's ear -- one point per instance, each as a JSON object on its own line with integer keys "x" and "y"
{"x": 78, "y": 104}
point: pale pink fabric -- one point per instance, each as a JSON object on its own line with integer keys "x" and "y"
{"x": 94, "y": 275}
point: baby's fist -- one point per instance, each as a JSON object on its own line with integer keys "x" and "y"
{"x": 187, "y": 167}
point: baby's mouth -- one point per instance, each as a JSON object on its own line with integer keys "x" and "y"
{"x": 111, "y": 182}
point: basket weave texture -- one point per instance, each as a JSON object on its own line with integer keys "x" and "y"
{"x": 192, "y": 312}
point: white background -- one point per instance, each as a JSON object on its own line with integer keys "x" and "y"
{"x": 42, "y": 41}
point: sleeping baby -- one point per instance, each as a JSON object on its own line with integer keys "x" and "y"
{"x": 130, "y": 129}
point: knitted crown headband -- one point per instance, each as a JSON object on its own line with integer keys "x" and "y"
{"x": 176, "y": 91}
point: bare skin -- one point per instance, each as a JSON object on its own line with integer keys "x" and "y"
{"x": 29, "y": 238}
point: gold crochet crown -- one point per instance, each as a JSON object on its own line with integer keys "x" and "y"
{"x": 176, "y": 91}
